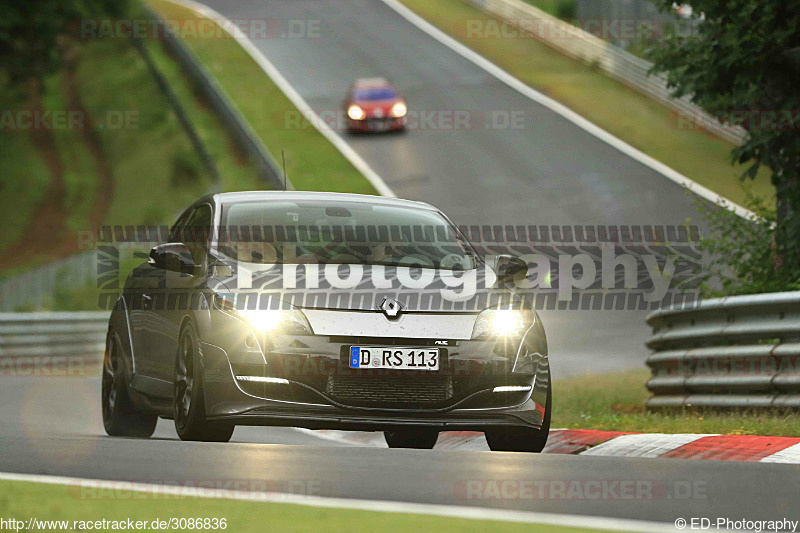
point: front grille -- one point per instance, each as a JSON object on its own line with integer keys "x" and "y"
{"x": 399, "y": 392}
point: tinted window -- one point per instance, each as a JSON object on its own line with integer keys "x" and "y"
{"x": 175, "y": 231}
{"x": 341, "y": 232}
{"x": 378, "y": 93}
{"x": 195, "y": 232}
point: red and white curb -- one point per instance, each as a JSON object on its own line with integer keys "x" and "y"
{"x": 748, "y": 448}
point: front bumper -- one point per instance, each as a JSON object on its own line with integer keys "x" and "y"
{"x": 326, "y": 417}
{"x": 377, "y": 124}
{"x": 303, "y": 396}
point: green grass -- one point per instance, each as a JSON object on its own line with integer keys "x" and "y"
{"x": 235, "y": 172}
{"x": 24, "y": 500}
{"x": 634, "y": 118}
{"x": 79, "y": 172}
{"x": 148, "y": 153}
{"x": 145, "y": 154}
{"x": 312, "y": 162}
{"x": 615, "y": 402}
{"x": 25, "y": 178}
{"x": 557, "y": 8}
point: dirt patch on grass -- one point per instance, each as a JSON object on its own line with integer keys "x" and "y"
{"x": 47, "y": 236}
{"x": 45, "y": 232}
{"x": 105, "y": 178}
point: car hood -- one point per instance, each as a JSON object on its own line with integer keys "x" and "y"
{"x": 468, "y": 291}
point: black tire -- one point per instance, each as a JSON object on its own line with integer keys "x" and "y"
{"x": 419, "y": 438}
{"x": 188, "y": 403}
{"x": 120, "y": 417}
{"x": 522, "y": 439}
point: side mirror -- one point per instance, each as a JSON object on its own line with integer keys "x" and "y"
{"x": 173, "y": 256}
{"x": 508, "y": 268}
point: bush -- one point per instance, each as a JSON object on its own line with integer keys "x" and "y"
{"x": 565, "y": 9}
{"x": 744, "y": 258}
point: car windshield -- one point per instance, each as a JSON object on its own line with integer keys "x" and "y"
{"x": 343, "y": 233}
{"x": 375, "y": 93}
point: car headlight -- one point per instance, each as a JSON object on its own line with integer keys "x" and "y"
{"x": 355, "y": 112}
{"x": 399, "y": 109}
{"x": 286, "y": 320}
{"x": 502, "y": 323}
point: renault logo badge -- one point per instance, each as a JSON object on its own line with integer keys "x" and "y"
{"x": 391, "y": 307}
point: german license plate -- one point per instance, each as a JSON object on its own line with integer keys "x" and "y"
{"x": 394, "y": 358}
{"x": 379, "y": 125}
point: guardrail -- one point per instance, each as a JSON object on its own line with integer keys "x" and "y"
{"x": 740, "y": 351}
{"x": 36, "y": 288}
{"x": 244, "y": 135}
{"x": 43, "y": 340}
{"x": 613, "y": 60}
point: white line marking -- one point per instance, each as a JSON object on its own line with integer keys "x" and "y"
{"x": 290, "y": 92}
{"x": 451, "y": 511}
{"x": 787, "y": 455}
{"x": 563, "y": 110}
{"x": 642, "y": 444}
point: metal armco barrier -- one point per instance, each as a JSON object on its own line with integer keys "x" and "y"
{"x": 244, "y": 135}
{"x": 613, "y": 60}
{"x": 740, "y": 351}
{"x": 29, "y": 337}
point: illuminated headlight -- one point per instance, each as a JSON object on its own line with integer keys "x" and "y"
{"x": 502, "y": 323}
{"x": 399, "y": 109}
{"x": 287, "y": 320}
{"x": 355, "y": 112}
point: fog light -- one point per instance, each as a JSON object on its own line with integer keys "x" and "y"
{"x": 262, "y": 379}
{"x": 512, "y": 388}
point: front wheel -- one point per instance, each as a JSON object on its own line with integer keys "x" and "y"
{"x": 189, "y": 412}
{"x": 419, "y": 438}
{"x": 522, "y": 439}
{"x": 120, "y": 417}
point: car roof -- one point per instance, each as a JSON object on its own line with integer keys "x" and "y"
{"x": 365, "y": 83}
{"x": 246, "y": 196}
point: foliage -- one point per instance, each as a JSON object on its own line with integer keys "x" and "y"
{"x": 742, "y": 64}
{"x": 29, "y": 32}
{"x": 744, "y": 256}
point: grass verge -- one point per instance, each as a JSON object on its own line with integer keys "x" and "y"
{"x": 23, "y": 500}
{"x": 629, "y": 115}
{"x": 154, "y": 171}
{"x": 615, "y": 402}
{"x": 312, "y": 162}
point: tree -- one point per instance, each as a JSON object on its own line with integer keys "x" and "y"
{"x": 742, "y": 64}
{"x": 29, "y": 31}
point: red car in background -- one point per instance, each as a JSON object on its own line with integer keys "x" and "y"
{"x": 372, "y": 104}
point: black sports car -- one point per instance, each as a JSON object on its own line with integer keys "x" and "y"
{"x": 326, "y": 311}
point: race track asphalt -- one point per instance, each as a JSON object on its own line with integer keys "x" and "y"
{"x": 548, "y": 171}
{"x": 536, "y": 169}
{"x": 52, "y": 426}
